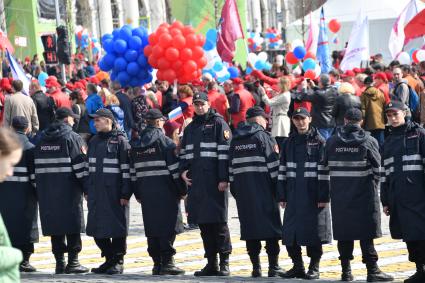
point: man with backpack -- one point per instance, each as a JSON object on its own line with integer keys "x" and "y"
{"x": 404, "y": 93}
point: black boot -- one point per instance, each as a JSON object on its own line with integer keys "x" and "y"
{"x": 256, "y": 266}
{"x": 274, "y": 268}
{"x": 117, "y": 265}
{"x": 224, "y": 265}
{"x": 25, "y": 265}
{"x": 156, "y": 265}
{"x": 374, "y": 274}
{"x": 346, "y": 270}
{"x": 211, "y": 269}
{"x": 419, "y": 276}
{"x": 104, "y": 266}
{"x": 168, "y": 266}
{"x": 74, "y": 265}
{"x": 297, "y": 271}
{"x": 313, "y": 269}
{"x": 60, "y": 264}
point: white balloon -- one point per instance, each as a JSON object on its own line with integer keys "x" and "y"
{"x": 262, "y": 56}
{"x": 318, "y": 70}
{"x": 252, "y": 58}
{"x": 420, "y": 55}
{"x": 297, "y": 71}
{"x": 259, "y": 41}
{"x": 404, "y": 58}
{"x": 297, "y": 42}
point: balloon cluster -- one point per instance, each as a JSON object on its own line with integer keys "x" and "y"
{"x": 176, "y": 51}
{"x": 273, "y": 37}
{"x": 417, "y": 55}
{"x": 215, "y": 65}
{"x": 305, "y": 58}
{"x": 125, "y": 56}
{"x": 82, "y": 40}
{"x": 255, "y": 41}
{"x": 259, "y": 62}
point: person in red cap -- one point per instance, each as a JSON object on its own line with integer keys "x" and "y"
{"x": 381, "y": 83}
{"x": 54, "y": 91}
{"x": 241, "y": 101}
{"x": 5, "y": 91}
{"x": 348, "y": 77}
{"x": 218, "y": 101}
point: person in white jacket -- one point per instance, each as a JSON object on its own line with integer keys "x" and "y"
{"x": 279, "y": 104}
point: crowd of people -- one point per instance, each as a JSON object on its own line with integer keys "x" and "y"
{"x": 330, "y": 151}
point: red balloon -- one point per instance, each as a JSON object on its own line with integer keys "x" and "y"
{"x": 153, "y": 39}
{"x": 160, "y": 75}
{"x": 188, "y": 30}
{"x": 153, "y": 61}
{"x": 191, "y": 40}
{"x": 177, "y": 24}
{"x": 148, "y": 50}
{"x": 291, "y": 59}
{"x": 165, "y": 25}
{"x": 172, "y": 54}
{"x": 415, "y": 59}
{"x": 202, "y": 62}
{"x": 157, "y": 51}
{"x": 201, "y": 39}
{"x": 197, "y": 52}
{"x": 179, "y": 42}
{"x": 169, "y": 75}
{"x": 175, "y": 31}
{"x": 163, "y": 64}
{"x": 334, "y": 25}
{"x": 310, "y": 54}
{"x": 177, "y": 65}
{"x": 310, "y": 74}
{"x": 165, "y": 40}
{"x": 190, "y": 66}
{"x": 161, "y": 30}
{"x": 185, "y": 54}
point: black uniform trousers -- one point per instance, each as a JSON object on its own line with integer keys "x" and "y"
{"x": 112, "y": 246}
{"x": 216, "y": 238}
{"x": 72, "y": 245}
{"x": 161, "y": 246}
{"x": 294, "y": 251}
{"x": 369, "y": 254}
{"x": 253, "y": 247}
{"x": 26, "y": 249}
{"x": 416, "y": 251}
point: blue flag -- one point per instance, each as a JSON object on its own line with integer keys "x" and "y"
{"x": 323, "y": 54}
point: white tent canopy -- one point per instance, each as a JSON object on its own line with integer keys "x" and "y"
{"x": 381, "y": 13}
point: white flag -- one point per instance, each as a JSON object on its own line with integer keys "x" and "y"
{"x": 396, "y": 42}
{"x": 358, "y": 44}
{"x": 313, "y": 36}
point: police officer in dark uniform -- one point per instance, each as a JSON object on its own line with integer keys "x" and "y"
{"x": 402, "y": 185}
{"x": 304, "y": 193}
{"x": 158, "y": 187}
{"x": 204, "y": 167}
{"x": 108, "y": 191}
{"x": 254, "y": 164}
{"x": 18, "y": 201}
{"x": 353, "y": 159}
{"x": 59, "y": 162}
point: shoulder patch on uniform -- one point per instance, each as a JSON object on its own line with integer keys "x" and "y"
{"x": 226, "y": 134}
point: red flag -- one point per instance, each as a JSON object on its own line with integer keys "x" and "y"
{"x": 416, "y": 27}
{"x": 231, "y": 30}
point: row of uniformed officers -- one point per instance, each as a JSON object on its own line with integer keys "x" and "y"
{"x": 346, "y": 171}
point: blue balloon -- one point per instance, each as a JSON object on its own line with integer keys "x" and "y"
{"x": 42, "y": 78}
{"x": 131, "y": 55}
{"x": 120, "y": 46}
{"x": 113, "y": 76}
{"x": 95, "y": 50}
{"x": 248, "y": 70}
{"x": 259, "y": 65}
{"x": 140, "y": 32}
{"x": 309, "y": 64}
{"x": 149, "y": 79}
{"x": 143, "y": 75}
{"x": 208, "y": 45}
{"x": 104, "y": 66}
{"x": 106, "y": 36}
{"x": 299, "y": 52}
{"x": 94, "y": 40}
{"x": 116, "y": 34}
{"x": 222, "y": 79}
{"x": 133, "y": 68}
{"x": 135, "y": 82}
{"x": 218, "y": 66}
{"x": 267, "y": 66}
{"x": 108, "y": 45}
{"x": 109, "y": 59}
{"x": 233, "y": 71}
{"x": 125, "y": 33}
{"x": 142, "y": 61}
{"x": 211, "y": 35}
{"x": 252, "y": 34}
{"x": 123, "y": 78}
{"x": 135, "y": 43}
{"x": 120, "y": 64}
